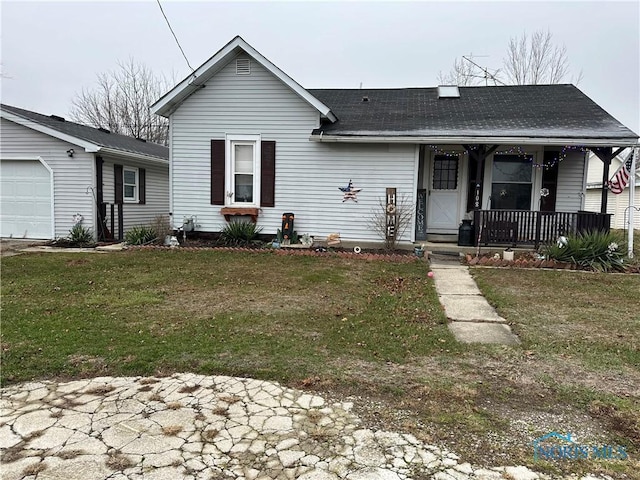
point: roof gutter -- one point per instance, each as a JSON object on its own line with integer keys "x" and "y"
{"x": 89, "y": 147}
{"x": 586, "y": 142}
{"x": 135, "y": 156}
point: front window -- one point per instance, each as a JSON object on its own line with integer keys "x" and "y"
{"x": 511, "y": 185}
{"x": 130, "y": 184}
{"x": 243, "y": 170}
{"x": 243, "y": 174}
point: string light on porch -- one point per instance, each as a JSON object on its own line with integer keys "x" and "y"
{"x": 516, "y": 150}
{"x": 562, "y": 154}
{"x": 448, "y": 153}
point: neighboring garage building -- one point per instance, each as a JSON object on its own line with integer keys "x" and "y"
{"x": 52, "y": 170}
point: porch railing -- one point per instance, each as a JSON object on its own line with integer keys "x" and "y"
{"x": 523, "y": 227}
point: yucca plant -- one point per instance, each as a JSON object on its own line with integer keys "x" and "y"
{"x": 80, "y": 235}
{"x": 599, "y": 251}
{"x": 237, "y": 233}
{"x": 140, "y": 235}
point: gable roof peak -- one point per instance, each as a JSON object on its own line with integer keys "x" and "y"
{"x": 172, "y": 99}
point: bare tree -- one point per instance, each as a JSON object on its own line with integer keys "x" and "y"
{"x": 530, "y": 60}
{"x": 462, "y": 73}
{"x": 465, "y": 72}
{"x": 121, "y": 100}
{"x": 403, "y": 215}
{"x": 535, "y": 59}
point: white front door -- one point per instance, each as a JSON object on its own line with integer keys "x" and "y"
{"x": 443, "y": 198}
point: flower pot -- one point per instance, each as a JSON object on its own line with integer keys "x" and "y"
{"x": 418, "y": 252}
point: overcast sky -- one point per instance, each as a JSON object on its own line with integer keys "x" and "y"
{"x": 51, "y": 50}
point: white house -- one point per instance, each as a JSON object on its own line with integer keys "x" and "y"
{"x": 52, "y": 170}
{"x": 246, "y": 139}
{"x": 617, "y": 205}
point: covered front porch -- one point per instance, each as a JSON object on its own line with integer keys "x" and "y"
{"x": 517, "y": 195}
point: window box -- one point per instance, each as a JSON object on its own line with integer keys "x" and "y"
{"x": 229, "y": 212}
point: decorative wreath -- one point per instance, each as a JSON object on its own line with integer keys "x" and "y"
{"x": 391, "y": 209}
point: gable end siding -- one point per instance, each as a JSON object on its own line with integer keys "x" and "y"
{"x": 307, "y": 175}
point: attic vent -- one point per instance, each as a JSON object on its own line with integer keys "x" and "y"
{"x": 56, "y": 117}
{"x": 448, "y": 91}
{"x": 102, "y": 129}
{"x": 141, "y": 140}
{"x": 243, "y": 66}
{"x": 365, "y": 99}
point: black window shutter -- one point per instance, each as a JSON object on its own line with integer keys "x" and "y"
{"x": 117, "y": 182}
{"x": 268, "y": 174}
{"x": 217, "y": 172}
{"x": 142, "y": 188}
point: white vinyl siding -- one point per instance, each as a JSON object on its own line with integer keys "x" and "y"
{"x": 616, "y": 206}
{"x": 571, "y": 176}
{"x": 73, "y": 177}
{"x": 308, "y": 173}
{"x": 157, "y": 193}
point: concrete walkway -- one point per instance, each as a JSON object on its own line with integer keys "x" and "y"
{"x": 197, "y": 427}
{"x": 472, "y": 319}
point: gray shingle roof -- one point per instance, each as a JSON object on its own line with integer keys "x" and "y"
{"x": 93, "y": 135}
{"x": 557, "y": 111}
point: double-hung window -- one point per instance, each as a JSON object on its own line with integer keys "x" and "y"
{"x": 130, "y": 184}
{"x": 243, "y": 170}
{"x": 511, "y": 182}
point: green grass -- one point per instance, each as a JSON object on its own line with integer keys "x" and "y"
{"x": 590, "y": 318}
{"x": 251, "y": 314}
{"x": 344, "y": 327}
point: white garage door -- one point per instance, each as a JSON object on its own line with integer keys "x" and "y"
{"x": 25, "y": 199}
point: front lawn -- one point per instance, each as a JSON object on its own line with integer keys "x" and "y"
{"x": 263, "y": 315}
{"x": 369, "y": 331}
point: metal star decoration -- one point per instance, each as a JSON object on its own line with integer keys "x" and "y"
{"x": 350, "y": 193}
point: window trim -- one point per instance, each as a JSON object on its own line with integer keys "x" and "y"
{"x": 532, "y": 182}
{"x": 230, "y": 142}
{"x": 136, "y": 186}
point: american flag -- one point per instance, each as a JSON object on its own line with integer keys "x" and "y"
{"x": 621, "y": 178}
